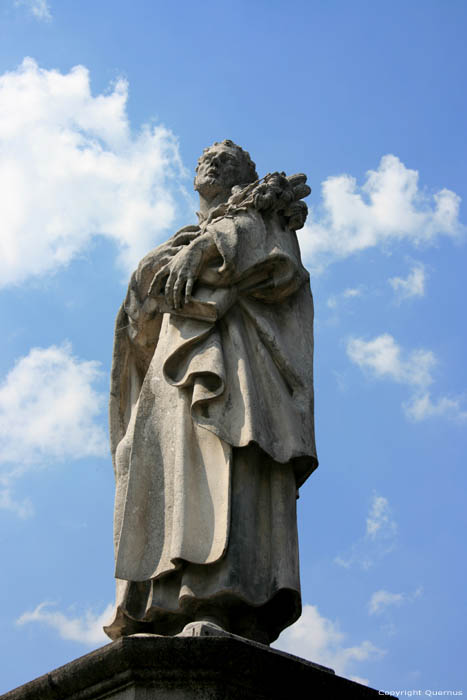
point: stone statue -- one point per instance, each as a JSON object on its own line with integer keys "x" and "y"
{"x": 211, "y": 412}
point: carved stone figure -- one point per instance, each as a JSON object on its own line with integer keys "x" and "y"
{"x": 211, "y": 412}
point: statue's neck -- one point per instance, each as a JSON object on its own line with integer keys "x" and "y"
{"x": 206, "y": 205}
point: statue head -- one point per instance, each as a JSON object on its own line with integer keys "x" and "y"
{"x": 222, "y": 166}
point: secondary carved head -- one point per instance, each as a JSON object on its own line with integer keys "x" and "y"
{"x": 222, "y": 166}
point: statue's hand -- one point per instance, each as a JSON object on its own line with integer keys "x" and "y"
{"x": 179, "y": 275}
{"x": 166, "y": 251}
{"x": 184, "y": 237}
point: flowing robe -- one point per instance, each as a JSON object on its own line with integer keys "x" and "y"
{"x": 212, "y": 433}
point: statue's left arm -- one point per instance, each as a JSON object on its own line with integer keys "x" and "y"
{"x": 136, "y": 333}
{"x": 255, "y": 255}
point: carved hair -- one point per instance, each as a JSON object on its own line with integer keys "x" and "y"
{"x": 250, "y": 168}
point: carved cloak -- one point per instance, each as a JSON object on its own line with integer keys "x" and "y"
{"x": 188, "y": 395}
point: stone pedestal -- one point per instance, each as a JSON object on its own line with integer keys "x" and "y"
{"x": 147, "y": 667}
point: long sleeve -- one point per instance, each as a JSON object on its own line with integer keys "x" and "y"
{"x": 259, "y": 256}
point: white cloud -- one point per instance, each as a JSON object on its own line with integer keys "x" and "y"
{"x": 379, "y": 538}
{"x": 380, "y": 600}
{"x": 385, "y": 359}
{"x": 388, "y": 207}
{"x": 48, "y": 408}
{"x": 350, "y": 293}
{"x": 71, "y": 169}
{"x": 380, "y": 518}
{"x": 86, "y": 629}
{"x": 23, "y": 509}
{"x": 319, "y": 639}
{"x": 422, "y": 406}
{"x": 359, "y": 679}
{"x": 413, "y": 285}
{"x": 48, "y": 411}
{"x": 40, "y": 9}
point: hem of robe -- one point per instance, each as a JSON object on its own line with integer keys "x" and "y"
{"x": 261, "y": 622}
{"x": 255, "y": 586}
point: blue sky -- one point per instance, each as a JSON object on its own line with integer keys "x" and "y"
{"x": 105, "y": 108}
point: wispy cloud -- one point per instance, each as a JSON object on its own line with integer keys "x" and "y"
{"x": 71, "y": 169}
{"x": 85, "y": 629}
{"x": 379, "y": 538}
{"x": 349, "y": 293}
{"x": 380, "y": 518}
{"x": 388, "y": 207}
{"x": 40, "y": 9}
{"x": 22, "y": 508}
{"x": 422, "y": 406}
{"x": 384, "y": 358}
{"x": 49, "y": 410}
{"x": 381, "y": 600}
{"x": 413, "y": 285}
{"x": 319, "y": 639}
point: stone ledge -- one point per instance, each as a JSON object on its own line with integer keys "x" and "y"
{"x": 148, "y": 667}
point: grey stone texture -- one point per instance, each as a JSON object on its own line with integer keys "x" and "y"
{"x": 211, "y": 412}
{"x": 148, "y": 667}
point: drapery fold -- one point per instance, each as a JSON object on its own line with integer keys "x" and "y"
{"x": 188, "y": 393}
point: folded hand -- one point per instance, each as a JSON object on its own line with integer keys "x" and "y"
{"x": 178, "y": 276}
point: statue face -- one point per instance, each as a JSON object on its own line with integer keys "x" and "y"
{"x": 218, "y": 170}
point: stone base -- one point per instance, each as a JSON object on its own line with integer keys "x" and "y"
{"x": 149, "y": 667}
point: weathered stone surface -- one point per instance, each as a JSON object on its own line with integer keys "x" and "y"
{"x": 148, "y": 667}
{"x": 211, "y": 412}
